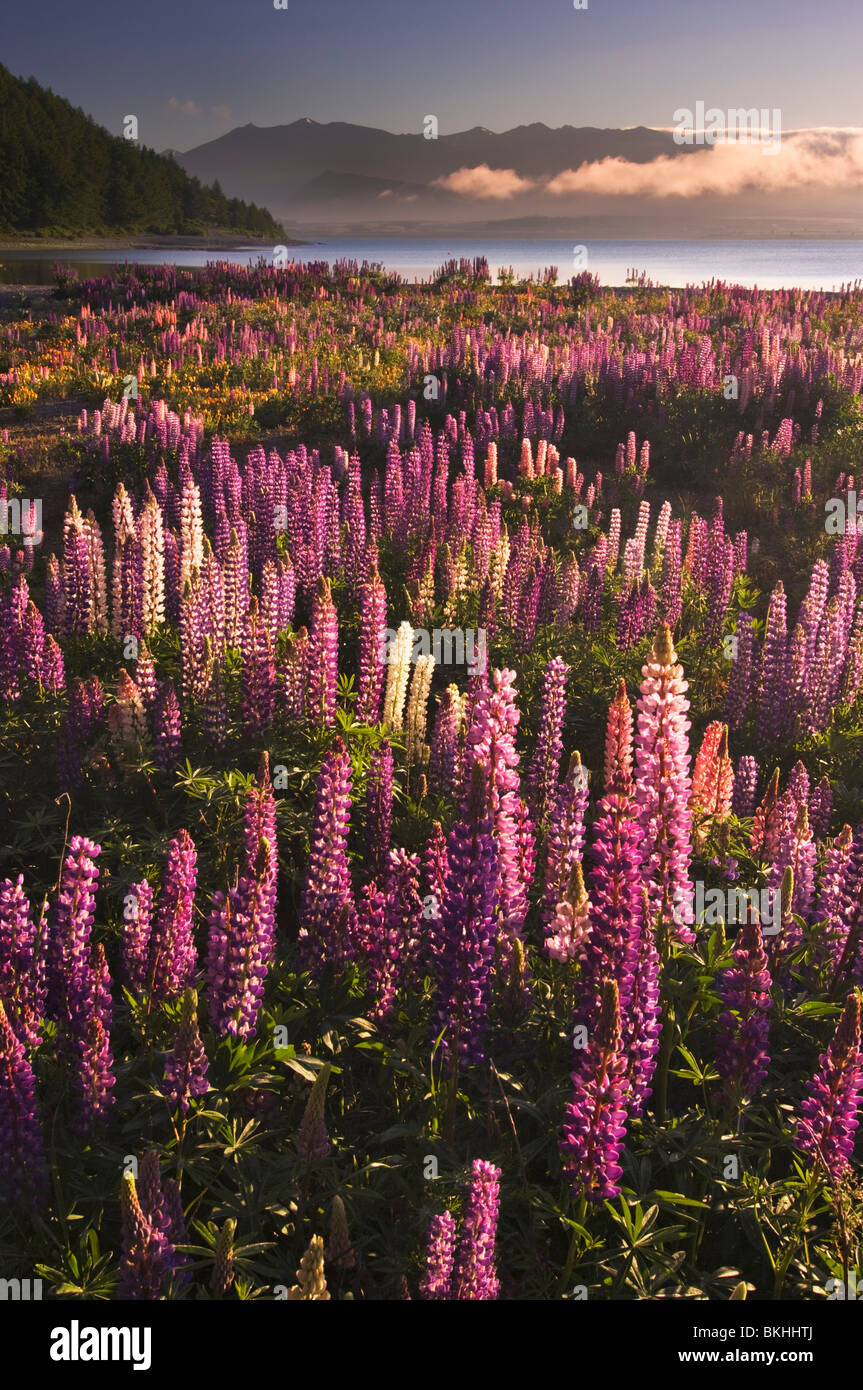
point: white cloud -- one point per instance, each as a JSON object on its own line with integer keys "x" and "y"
{"x": 187, "y": 108}
{"x": 805, "y": 159}
{"x": 827, "y": 157}
{"x": 484, "y": 182}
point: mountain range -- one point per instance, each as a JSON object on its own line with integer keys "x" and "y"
{"x": 338, "y": 177}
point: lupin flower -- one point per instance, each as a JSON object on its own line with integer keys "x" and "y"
{"x": 663, "y": 788}
{"x": 671, "y": 601}
{"x": 327, "y": 908}
{"x": 77, "y": 578}
{"x": 796, "y": 851}
{"x": 745, "y": 786}
{"x": 741, "y": 1041}
{"x": 445, "y": 754}
{"x": 618, "y": 743}
{"x": 595, "y": 1120}
{"x": 828, "y": 1120}
{"x": 565, "y": 841}
{"x": 323, "y": 657}
{"x": 93, "y": 1074}
{"x": 491, "y": 745}
{"x": 393, "y": 935}
{"x": 145, "y": 1261}
{"x": 340, "y": 1251}
{"x": 241, "y": 948}
{"x": 611, "y": 946}
{"x": 543, "y": 772}
{"x": 68, "y": 955}
{"x": 127, "y": 723}
{"x": 740, "y": 679}
{"x": 398, "y": 670}
{"x": 256, "y": 707}
{"x": 162, "y": 1207}
{"x": 767, "y": 825}
{"x": 313, "y": 1141}
{"x": 172, "y": 958}
{"x": 463, "y": 939}
{"x": 22, "y": 965}
{"x": 53, "y": 667}
{"x": 773, "y": 672}
{"x": 215, "y": 702}
{"x": 821, "y": 808}
{"x": 23, "y": 1173}
{"x": 137, "y": 924}
{"x": 311, "y": 1280}
{"x": 436, "y": 1282}
{"x": 222, "y": 1276}
{"x": 152, "y": 540}
{"x": 145, "y": 676}
{"x": 416, "y": 716}
{"x": 379, "y": 808}
{"x": 642, "y": 1025}
{"x": 373, "y": 622}
{"x": 177, "y": 1234}
{"x": 167, "y": 728}
{"x": 713, "y": 775}
{"x": 475, "y": 1272}
{"x": 568, "y": 929}
{"x": 186, "y": 1065}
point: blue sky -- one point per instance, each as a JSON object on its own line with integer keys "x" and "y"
{"x": 192, "y": 69}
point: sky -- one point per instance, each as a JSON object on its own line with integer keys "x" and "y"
{"x": 190, "y": 70}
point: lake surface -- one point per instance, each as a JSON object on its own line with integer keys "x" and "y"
{"x": 823, "y": 265}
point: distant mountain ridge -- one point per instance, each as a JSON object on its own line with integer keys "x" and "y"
{"x": 320, "y": 177}
{"x": 284, "y": 160}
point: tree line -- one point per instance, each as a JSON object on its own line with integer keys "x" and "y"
{"x": 61, "y": 172}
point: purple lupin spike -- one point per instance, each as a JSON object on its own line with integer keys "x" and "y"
{"x": 463, "y": 938}
{"x": 543, "y": 771}
{"x": 379, "y": 809}
{"x": 23, "y": 1172}
{"x": 595, "y": 1120}
{"x": 323, "y": 657}
{"x": 186, "y": 1064}
{"x": 565, "y": 841}
{"x": 22, "y": 966}
{"x": 741, "y": 1041}
{"x": 745, "y": 786}
{"x": 436, "y": 1282}
{"x": 327, "y": 908}
{"x": 371, "y": 671}
{"x": 68, "y": 957}
{"x": 167, "y": 728}
{"x": 475, "y": 1271}
{"x": 828, "y": 1120}
{"x": 171, "y": 958}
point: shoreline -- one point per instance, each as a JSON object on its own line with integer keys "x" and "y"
{"x": 136, "y": 243}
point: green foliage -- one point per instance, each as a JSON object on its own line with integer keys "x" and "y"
{"x": 61, "y": 172}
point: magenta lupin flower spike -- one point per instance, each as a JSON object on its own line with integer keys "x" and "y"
{"x": 829, "y": 1113}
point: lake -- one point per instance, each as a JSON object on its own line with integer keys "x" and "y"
{"x": 825, "y": 265}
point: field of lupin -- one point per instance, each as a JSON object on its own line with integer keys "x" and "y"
{"x": 431, "y": 776}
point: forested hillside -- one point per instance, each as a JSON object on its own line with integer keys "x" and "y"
{"x": 61, "y": 172}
